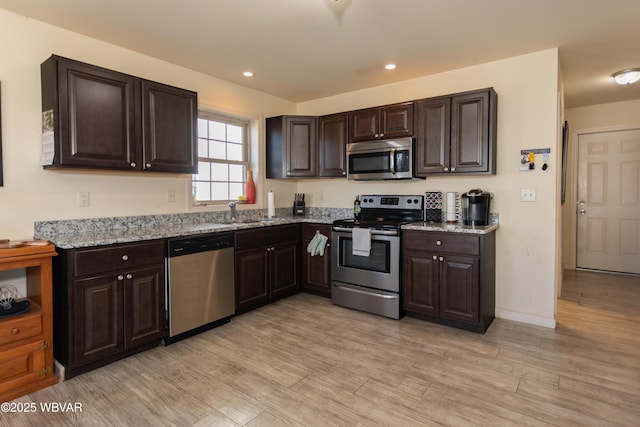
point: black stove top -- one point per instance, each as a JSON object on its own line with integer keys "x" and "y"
{"x": 385, "y": 212}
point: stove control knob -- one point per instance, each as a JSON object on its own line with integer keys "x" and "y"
{"x": 370, "y": 200}
{"x": 415, "y": 201}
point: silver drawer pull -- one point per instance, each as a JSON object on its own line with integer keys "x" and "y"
{"x": 373, "y": 294}
{"x": 120, "y": 277}
{"x": 129, "y": 276}
{"x": 435, "y": 257}
{"x": 125, "y": 257}
{"x": 438, "y": 243}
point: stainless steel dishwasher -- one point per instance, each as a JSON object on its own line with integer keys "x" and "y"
{"x": 200, "y": 283}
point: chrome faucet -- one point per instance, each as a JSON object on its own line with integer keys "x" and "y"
{"x": 232, "y": 205}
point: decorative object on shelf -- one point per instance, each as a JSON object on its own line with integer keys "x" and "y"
{"x": 250, "y": 188}
{"x": 8, "y": 294}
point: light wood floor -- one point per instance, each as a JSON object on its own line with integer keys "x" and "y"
{"x": 303, "y": 361}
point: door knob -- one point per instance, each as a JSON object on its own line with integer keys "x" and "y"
{"x": 582, "y": 211}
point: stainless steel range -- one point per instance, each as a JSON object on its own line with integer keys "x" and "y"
{"x": 366, "y": 254}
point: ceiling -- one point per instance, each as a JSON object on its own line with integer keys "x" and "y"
{"x": 308, "y": 49}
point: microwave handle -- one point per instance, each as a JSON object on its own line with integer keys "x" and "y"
{"x": 392, "y": 161}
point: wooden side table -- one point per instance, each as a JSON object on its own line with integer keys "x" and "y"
{"x": 26, "y": 340}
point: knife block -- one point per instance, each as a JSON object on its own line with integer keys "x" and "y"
{"x": 298, "y": 208}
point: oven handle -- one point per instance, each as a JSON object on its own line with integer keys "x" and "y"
{"x": 358, "y": 291}
{"x": 374, "y": 232}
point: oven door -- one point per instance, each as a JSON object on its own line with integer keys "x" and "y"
{"x": 379, "y": 270}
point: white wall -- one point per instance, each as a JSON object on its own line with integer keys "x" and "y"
{"x": 527, "y": 88}
{"x": 32, "y": 194}
{"x": 527, "y": 114}
{"x": 602, "y": 117}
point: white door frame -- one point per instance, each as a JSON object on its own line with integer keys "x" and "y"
{"x": 571, "y": 199}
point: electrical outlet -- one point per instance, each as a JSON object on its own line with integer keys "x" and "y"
{"x": 83, "y": 199}
{"x": 528, "y": 195}
{"x": 171, "y": 195}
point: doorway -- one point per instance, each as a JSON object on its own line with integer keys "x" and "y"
{"x": 608, "y": 201}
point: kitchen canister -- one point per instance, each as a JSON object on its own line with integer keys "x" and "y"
{"x": 451, "y": 207}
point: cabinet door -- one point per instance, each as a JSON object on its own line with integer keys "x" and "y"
{"x": 22, "y": 365}
{"x": 332, "y": 145}
{"x": 144, "y": 319}
{"x": 283, "y": 262}
{"x": 251, "y": 278}
{"x": 316, "y": 270}
{"x": 459, "y": 278}
{"x": 433, "y": 118}
{"x": 97, "y": 109}
{"x": 470, "y": 147}
{"x": 170, "y": 117}
{"x": 420, "y": 283}
{"x": 396, "y": 121}
{"x": 300, "y": 146}
{"x": 363, "y": 125}
{"x": 97, "y": 322}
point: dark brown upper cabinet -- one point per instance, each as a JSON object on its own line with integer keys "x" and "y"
{"x": 332, "y": 145}
{"x": 103, "y": 119}
{"x": 390, "y": 121}
{"x": 292, "y": 146}
{"x": 456, "y": 134}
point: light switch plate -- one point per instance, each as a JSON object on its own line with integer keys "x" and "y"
{"x": 528, "y": 195}
{"x": 83, "y": 199}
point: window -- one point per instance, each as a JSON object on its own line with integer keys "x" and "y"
{"x": 222, "y": 159}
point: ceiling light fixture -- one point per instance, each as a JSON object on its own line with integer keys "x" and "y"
{"x": 247, "y": 74}
{"x": 390, "y": 66}
{"x": 627, "y": 77}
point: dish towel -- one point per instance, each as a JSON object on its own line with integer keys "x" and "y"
{"x": 317, "y": 245}
{"x": 361, "y": 241}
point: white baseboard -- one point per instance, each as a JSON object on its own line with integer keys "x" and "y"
{"x": 526, "y": 318}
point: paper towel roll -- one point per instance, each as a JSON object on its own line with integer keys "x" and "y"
{"x": 271, "y": 210}
{"x": 451, "y": 207}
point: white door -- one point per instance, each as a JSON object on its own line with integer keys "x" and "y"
{"x": 608, "y": 210}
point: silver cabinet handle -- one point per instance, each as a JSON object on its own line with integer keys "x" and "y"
{"x": 125, "y": 257}
{"x": 435, "y": 257}
{"x": 120, "y": 277}
{"x": 438, "y": 243}
{"x": 582, "y": 211}
{"x": 441, "y": 259}
{"x": 133, "y": 164}
{"x": 148, "y": 165}
{"x": 446, "y": 169}
{"x": 129, "y": 276}
{"x": 453, "y": 169}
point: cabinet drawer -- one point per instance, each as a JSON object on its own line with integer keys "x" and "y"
{"x": 120, "y": 257}
{"x": 442, "y": 242}
{"x": 261, "y": 237}
{"x": 21, "y": 326}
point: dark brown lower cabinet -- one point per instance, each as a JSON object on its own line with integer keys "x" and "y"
{"x": 316, "y": 270}
{"x": 109, "y": 304}
{"x": 449, "y": 278}
{"x": 267, "y": 265}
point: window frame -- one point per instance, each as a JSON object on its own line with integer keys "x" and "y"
{"x": 245, "y": 163}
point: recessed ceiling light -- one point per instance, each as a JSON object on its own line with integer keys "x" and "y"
{"x": 247, "y": 74}
{"x": 627, "y": 77}
{"x": 390, "y": 66}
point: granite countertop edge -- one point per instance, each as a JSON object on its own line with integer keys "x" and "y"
{"x": 87, "y": 239}
{"x": 451, "y": 228}
{"x": 75, "y": 240}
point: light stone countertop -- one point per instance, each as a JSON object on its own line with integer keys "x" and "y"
{"x": 451, "y": 228}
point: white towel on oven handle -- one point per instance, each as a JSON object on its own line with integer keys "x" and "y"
{"x": 361, "y": 241}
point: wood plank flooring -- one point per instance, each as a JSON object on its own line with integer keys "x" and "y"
{"x": 305, "y": 362}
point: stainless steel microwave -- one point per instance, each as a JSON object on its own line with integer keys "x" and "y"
{"x": 386, "y": 159}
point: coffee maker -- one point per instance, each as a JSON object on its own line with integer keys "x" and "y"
{"x": 475, "y": 207}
